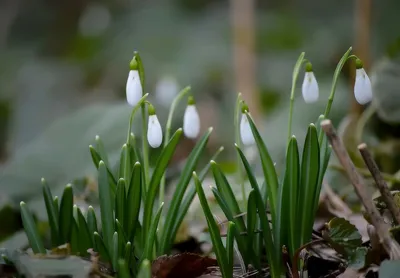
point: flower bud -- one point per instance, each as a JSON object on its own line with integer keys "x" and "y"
{"x": 310, "y": 88}
{"x": 154, "y": 131}
{"x": 191, "y": 120}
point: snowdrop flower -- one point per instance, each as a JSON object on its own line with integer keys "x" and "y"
{"x": 134, "y": 90}
{"x": 245, "y": 130}
{"x": 362, "y": 85}
{"x": 191, "y": 120}
{"x": 310, "y": 88}
{"x": 166, "y": 90}
{"x": 154, "y": 131}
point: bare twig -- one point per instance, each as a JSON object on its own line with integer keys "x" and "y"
{"x": 337, "y": 204}
{"x": 295, "y": 271}
{"x": 391, "y": 247}
{"x": 380, "y": 182}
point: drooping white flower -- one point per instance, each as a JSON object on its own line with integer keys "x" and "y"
{"x": 191, "y": 120}
{"x": 362, "y": 85}
{"x": 310, "y": 88}
{"x": 134, "y": 90}
{"x": 166, "y": 90}
{"x": 245, "y": 130}
{"x": 154, "y": 131}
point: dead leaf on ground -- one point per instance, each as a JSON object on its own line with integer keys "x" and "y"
{"x": 181, "y": 265}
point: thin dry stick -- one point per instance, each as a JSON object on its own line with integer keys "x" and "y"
{"x": 391, "y": 247}
{"x": 380, "y": 182}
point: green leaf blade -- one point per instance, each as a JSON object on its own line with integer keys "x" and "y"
{"x": 66, "y": 214}
{"x": 106, "y": 207}
{"x": 51, "y": 213}
{"x": 133, "y": 201}
{"x": 213, "y": 229}
{"x": 267, "y": 167}
{"x": 170, "y": 220}
{"x": 160, "y": 168}
{"x": 31, "y": 230}
{"x": 310, "y": 166}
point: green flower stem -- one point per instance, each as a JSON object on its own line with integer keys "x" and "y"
{"x": 168, "y": 128}
{"x": 134, "y": 110}
{"x": 296, "y": 71}
{"x": 338, "y": 69}
{"x": 145, "y": 147}
{"x": 238, "y": 112}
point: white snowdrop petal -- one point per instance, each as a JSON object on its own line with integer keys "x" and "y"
{"x": 134, "y": 90}
{"x": 191, "y": 122}
{"x": 310, "y": 88}
{"x": 154, "y": 132}
{"x": 362, "y": 87}
{"x": 245, "y": 131}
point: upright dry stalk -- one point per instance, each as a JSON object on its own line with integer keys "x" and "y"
{"x": 382, "y": 229}
{"x": 242, "y": 20}
{"x": 380, "y": 182}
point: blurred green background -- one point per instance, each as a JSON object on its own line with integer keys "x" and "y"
{"x": 64, "y": 66}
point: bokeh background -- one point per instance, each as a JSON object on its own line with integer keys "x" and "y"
{"x": 64, "y": 66}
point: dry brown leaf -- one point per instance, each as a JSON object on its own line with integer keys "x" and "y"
{"x": 181, "y": 265}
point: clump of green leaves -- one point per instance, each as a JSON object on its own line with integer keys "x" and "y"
{"x": 292, "y": 196}
{"x": 122, "y": 238}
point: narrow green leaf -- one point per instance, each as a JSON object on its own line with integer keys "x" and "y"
{"x": 101, "y": 248}
{"x": 85, "y": 236}
{"x": 56, "y": 207}
{"x": 121, "y": 237}
{"x": 189, "y": 195}
{"x": 251, "y": 226}
{"x": 309, "y": 184}
{"x": 51, "y": 214}
{"x": 290, "y": 197}
{"x": 274, "y": 261}
{"x": 123, "y": 269}
{"x": 144, "y": 269}
{"x": 227, "y": 194}
{"x": 96, "y": 160}
{"x": 66, "y": 216}
{"x": 101, "y": 150}
{"x": 91, "y": 222}
{"x": 133, "y": 201}
{"x": 229, "y": 246}
{"x": 106, "y": 208}
{"x": 120, "y": 201}
{"x": 219, "y": 249}
{"x": 243, "y": 247}
{"x": 128, "y": 255}
{"x": 115, "y": 252}
{"x": 167, "y": 235}
{"x": 125, "y": 163}
{"x": 151, "y": 236}
{"x": 267, "y": 167}
{"x": 161, "y": 166}
{"x": 75, "y": 238}
{"x": 31, "y": 230}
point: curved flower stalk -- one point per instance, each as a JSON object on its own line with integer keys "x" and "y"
{"x": 310, "y": 88}
{"x": 134, "y": 90}
{"x": 245, "y": 130}
{"x": 362, "y": 85}
{"x": 191, "y": 120}
{"x": 154, "y": 131}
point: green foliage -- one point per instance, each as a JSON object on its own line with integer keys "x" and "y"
{"x": 123, "y": 239}
{"x": 292, "y": 197}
